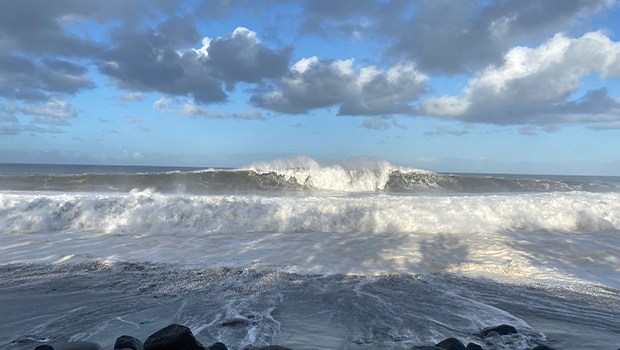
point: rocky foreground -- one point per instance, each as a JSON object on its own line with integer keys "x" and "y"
{"x": 178, "y": 337}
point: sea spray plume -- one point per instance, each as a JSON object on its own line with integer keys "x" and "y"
{"x": 364, "y": 174}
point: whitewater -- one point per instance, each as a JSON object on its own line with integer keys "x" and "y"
{"x": 348, "y": 254}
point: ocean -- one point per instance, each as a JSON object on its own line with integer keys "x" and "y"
{"x": 351, "y": 254}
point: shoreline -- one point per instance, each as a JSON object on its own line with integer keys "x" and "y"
{"x": 98, "y": 302}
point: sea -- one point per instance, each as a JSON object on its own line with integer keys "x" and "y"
{"x": 345, "y": 254}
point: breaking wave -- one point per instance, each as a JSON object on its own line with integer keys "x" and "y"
{"x": 140, "y": 212}
{"x": 300, "y": 174}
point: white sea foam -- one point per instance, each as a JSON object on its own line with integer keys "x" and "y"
{"x": 147, "y": 212}
{"x": 547, "y": 236}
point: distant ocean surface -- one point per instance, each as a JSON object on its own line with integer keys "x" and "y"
{"x": 354, "y": 254}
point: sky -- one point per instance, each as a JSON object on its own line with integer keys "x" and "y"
{"x": 504, "y": 86}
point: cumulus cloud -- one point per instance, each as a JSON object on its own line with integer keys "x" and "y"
{"x": 312, "y": 83}
{"x": 441, "y": 36}
{"x": 456, "y": 36}
{"x": 534, "y": 85}
{"x": 39, "y": 26}
{"x": 149, "y": 61}
{"x": 240, "y": 57}
{"x": 22, "y": 78}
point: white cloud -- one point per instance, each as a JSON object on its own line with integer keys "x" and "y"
{"x": 164, "y": 104}
{"x": 190, "y": 109}
{"x": 130, "y": 97}
{"x": 54, "y": 108}
{"x": 375, "y": 124}
{"x": 313, "y": 83}
{"x": 534, "y": 84}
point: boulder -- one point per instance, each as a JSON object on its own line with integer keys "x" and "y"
{"x": 501, "y": 330}
{"x": 492, "y": 335}
{"x": 451, "y": 344}
{"x": 78, "y": 345}
{"x": 543, "y": 347}
{"x": 218, "y": 346}
{"x": 128, "y": 342}
{"x": 473, "y": 346}
{"x": 44, "y": 347}
{"x": 426, "y": 347}
{"x": 173, "y": 337}
{"x": 274, "y": 347}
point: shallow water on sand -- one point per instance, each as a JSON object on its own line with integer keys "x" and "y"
{"x": 245, "y": 306}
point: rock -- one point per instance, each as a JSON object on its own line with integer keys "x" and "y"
{"x": 78, "y": 345}
{"x": 44, "y": 347}
{"x": 473, "y": 346}
{"x": 173, "y": 337}
{"x": 274, "y": 347}
{"x": 128, "y": 342}
{"x": 451, "y": 344}
{"x": 492, "y": 335}
{"x": 543, "y": 347}
{"x": 218, "y": 346}
{"x": 501, "y": 330}
{"x": 426, "y": 347}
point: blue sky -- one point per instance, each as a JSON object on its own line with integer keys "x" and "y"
{"x": 456, "y": 86}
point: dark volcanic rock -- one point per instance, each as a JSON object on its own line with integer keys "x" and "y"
{"x": 501, "y": 330}
{"x": 451, "y": 344}
{"x": 128, "y": 342}
{"x": 473, "y": 346}
{"x": 173, "y": 337}
{"x": 426, "y": 347}
{"x": 543, "y": 347}
{"x": 218, "y": 346}
{"x": 78, "y": 345}
{"x": 274, "y": 347}
{"x": 44, "y": 347}
{"x": 492, "y": 334}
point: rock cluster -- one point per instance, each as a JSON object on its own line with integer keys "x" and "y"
{"x": 173, "y": 337}
{"x": 178, "y": 337}
{"x": 486, "y": 336}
